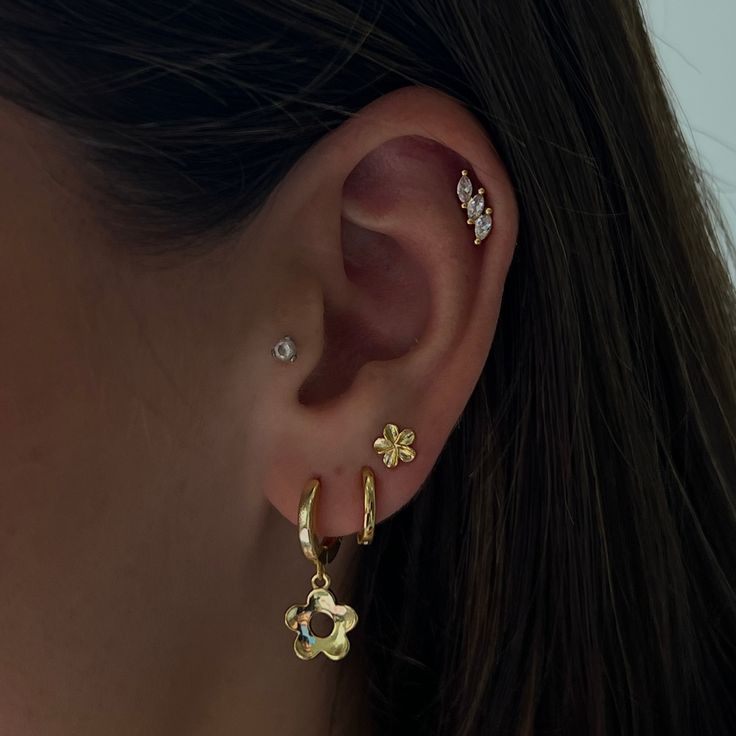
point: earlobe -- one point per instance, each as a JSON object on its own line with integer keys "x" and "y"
{"x": 410, "y": 301}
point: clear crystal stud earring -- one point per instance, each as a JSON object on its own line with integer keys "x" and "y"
{"x": 478, "y": 214}
{"x": 284, "y": 350}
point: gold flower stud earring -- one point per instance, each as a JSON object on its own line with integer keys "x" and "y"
{"x": 395, "y": 445}
{"x": 478, "y": 214}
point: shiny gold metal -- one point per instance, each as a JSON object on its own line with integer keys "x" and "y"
{"x": 314, "y": 550}
{"x": 336, "y": 644}
{"x": 369, "y": 507}
{"x": 320, "y": 599}
{"x": 394, "y": 445}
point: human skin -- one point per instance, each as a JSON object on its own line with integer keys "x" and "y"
{"x": 153, "y": 451}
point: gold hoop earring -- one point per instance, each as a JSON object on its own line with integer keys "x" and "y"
{"x": 320, "y": 553}
{"x": 320, "y": 599}
{"x": 369, "y": 507}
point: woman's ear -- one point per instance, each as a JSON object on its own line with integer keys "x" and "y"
{"x": 390, "y": 302}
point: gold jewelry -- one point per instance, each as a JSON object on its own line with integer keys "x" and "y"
{"x": 320, "y": 599}
{"x": 478, "y": 214}
{"x": 394, "y": 445}
{"x": 369, "y": 507}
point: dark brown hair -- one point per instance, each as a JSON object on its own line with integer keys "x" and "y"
{"x": 569, "y": 567}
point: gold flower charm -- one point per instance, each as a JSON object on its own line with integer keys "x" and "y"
{"x": 334, "y": 646}
{"x": 395, "y": 445}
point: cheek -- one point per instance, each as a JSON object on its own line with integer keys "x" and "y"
{"x": 99, "y": 500}
{"x": 65, "y": 422}
{"x": 113, "y": 515}
{"x": 53, "y": 395}
{"x": 121, "y": 507}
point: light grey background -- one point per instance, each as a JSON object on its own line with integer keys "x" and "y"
{"x": 697, "y": 50}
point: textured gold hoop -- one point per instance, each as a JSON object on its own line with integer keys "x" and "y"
{"x": 314, "y": 550}
{"x": 369, "y": 507}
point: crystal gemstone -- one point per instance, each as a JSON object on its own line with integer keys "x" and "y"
{"x": 476, "y": 206}
{"x": 483, "y": 226}
{"x": 464, "y": 189}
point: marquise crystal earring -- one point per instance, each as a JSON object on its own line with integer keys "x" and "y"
{"x": 475, "y": 205}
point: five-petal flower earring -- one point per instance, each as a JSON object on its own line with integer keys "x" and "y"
{"x": 321, "y": 599}
{"x": 395, "y": 445}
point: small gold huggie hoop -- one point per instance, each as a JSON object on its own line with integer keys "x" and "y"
{"x": 314, "y": 550}
{"x": 369, "y": 507}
